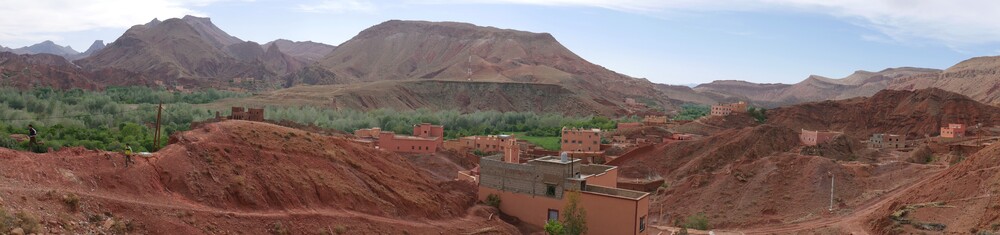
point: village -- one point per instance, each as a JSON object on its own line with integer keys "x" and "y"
{"x": 533, "y": 182}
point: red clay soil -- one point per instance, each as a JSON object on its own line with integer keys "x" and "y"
{"x": 754, "y": 177}
{"x": 911, "y": 113}
{"x": 240, "y": 177}
{"x": 968, "y": 194}
{"x": 711, "y": 125}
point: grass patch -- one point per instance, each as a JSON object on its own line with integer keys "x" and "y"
{"x": 550, "y": 143}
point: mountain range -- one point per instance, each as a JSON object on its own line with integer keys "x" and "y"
{"x": 405, "y": 64}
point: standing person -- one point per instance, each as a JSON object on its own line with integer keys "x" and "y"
{"x": 128, "y": 155}
{"x": 32, "y": 133}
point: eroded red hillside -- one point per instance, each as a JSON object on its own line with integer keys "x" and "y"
{"x": 238, "y": 176}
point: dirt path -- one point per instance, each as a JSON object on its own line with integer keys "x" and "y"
{"x": 174, "y": 205}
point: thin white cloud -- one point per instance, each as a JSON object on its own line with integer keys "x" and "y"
{"x": 955, "y": 22}
{"x": 42, "y": 19}
{"x": 338, "y": 6}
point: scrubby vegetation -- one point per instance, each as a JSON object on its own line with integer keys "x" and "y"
{"x": 493, "y": 200}
{"x": 698, "y": 221}
{"x": 758, "y": 114}
{"x": 107, "y": 120}
{"x": 693, "y": 111}
{"x": 456, "y": 124}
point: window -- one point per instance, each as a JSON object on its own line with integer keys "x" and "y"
{"x": 550, "y": 190}
{"x": 553, "y": 215}
{"x": 642, "y": 224}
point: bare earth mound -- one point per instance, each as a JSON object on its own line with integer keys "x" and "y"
{"x": 751, "y": 177}
{"x": 240, "y": 176}
{"x": 965, "y": 199}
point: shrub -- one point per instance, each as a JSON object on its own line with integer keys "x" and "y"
{"x": 493, "y": 200}
{"x": 574, "y": 216}
{"x": 698, "y": 221}
{"x": 72, "y": 201}
{"x": 553, "y": 227}
{"x": 277, "y": 228}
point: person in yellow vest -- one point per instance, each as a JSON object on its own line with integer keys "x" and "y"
{"x": 128, "y": 155}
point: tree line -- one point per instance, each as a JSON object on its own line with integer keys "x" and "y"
{"x": 107, "y": 120}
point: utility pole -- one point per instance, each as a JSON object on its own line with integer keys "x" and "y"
{"x": 156, "y": 138}
{"x": 831, "y": 191}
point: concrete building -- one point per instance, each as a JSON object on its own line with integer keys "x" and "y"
{"x": 580, "y": 140}
{"x": 880, "y": 141}
{"x": 251, "y": 114}
{"x": 953, "y": 131}
{"x": 536, "y": 192}
{"x": 812, "y": 138}
{"x": 727, "y": 109}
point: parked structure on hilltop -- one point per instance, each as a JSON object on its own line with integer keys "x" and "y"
{"x": 727, "y": 109}
{"x": 580, "y": 140}
{"x": 953, "y": 131}
{"x": 536, "y": 192}
{"x": 880, "y": 141}
{"x": 812, "y": 138}
{"x": 249, "y": 114}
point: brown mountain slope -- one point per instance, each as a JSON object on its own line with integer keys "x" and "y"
{"x": 912, "y": 113}
{"x": 964, "y": 199}
{"x": 190, "y": 49}
{"x": 814, "y": 88}
{"x": 240, "y": 177}
{"x": 978, "y": 78}
{"x": 435, "y": 95}
{"x": 47, "y": 70}
{"x": 401, "y": 50}
{"x": 306, "y": 51}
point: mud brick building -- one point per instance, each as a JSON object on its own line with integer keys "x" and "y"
{"x": 812, "y": 138}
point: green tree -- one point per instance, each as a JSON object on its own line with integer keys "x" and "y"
{"x": 553, "y": 227}
{"x": 574, "y": 216}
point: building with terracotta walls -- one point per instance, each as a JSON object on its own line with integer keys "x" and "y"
{"x": 812, "y": 138}
{"x": 388, "y": 140}
{"x": 537, "y": 191}
{"x": 487, "y": 144}
{"x": 953, "y": 131}
{"x": 426, "y": 130}
{"x": 580, "y": 140}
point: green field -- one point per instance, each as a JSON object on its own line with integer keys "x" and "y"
{"x": 548, "y": 143}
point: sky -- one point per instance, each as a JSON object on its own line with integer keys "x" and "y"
{"x": 665, "y": 41}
